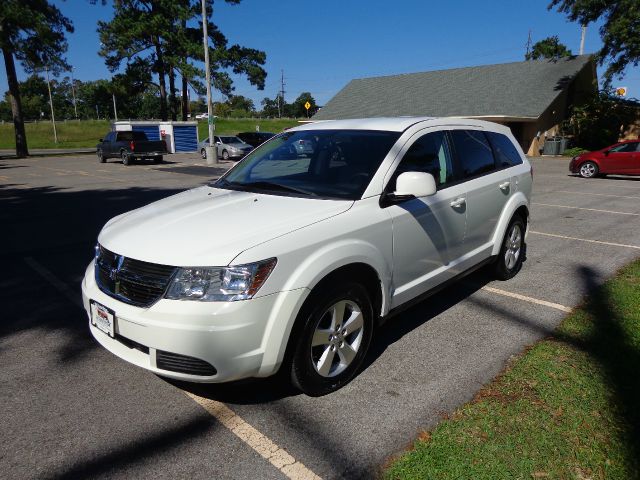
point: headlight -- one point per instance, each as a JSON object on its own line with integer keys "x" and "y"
{"x": 220, "y": 284}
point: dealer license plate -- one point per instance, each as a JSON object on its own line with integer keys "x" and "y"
{"x": 103, "y": 318}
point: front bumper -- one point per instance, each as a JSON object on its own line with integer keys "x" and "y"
{"x": 239, "y": 339}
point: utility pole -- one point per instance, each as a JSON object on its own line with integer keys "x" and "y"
{"x": 528, "y": 45}
{"x": 53, "y": 117}
{"x": 212, "y": 151}
{"x": 584, "y": 34}
{"x": 73, "y": 92}
{"x": 115, "y": 111}
{"x": 282, "y": 90}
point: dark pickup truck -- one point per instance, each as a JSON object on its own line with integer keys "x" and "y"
{"x": 130, "y": 145}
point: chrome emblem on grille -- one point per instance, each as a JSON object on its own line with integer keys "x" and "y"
{"x": 114, "y": 274}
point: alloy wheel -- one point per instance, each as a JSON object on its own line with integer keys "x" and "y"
{"x": 337, "y": 338}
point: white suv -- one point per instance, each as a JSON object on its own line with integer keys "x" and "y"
{"x": 291, "y": 260}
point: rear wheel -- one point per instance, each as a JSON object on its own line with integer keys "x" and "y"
{"x": 157, "y": 159}
{"x": 203, "y": 153}
{"x": 336, "y": 332}
{"x": 512, "y": 251}
{"x": 588, "y": 170}
{"x": 125, "y": 158}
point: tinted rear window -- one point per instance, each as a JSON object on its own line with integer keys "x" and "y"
{"x": 505, "y": 151}
{"x": 132, "y": 135}
{"x": 474, "y": 152}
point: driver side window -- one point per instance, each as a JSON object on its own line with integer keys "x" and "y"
{"x": 431, "y": 153}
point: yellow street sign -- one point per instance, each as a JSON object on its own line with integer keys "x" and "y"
{"x": 307, "y": 105}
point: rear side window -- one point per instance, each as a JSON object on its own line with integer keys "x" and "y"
{"x": 625, "y": 147}
{"x": 506, "y": 153}
{"x": 474, "y": 152}
{"x": 431, "y": 154}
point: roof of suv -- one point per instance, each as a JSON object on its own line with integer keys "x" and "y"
{"x": 396, "y": 124}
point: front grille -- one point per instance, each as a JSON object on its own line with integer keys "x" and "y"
{"x": 131, "y": 281}
{"x": 183, "y": 364}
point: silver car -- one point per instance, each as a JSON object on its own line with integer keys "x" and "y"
{"x": 228, "y": 147}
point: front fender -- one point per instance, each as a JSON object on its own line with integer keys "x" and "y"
{"x": 304, "y": 278}
{"x": 516, "y": 201}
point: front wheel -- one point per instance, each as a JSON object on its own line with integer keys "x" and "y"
{"x": 101, "y": 158}
{"x": 225, "y": 155}
{"x": 588, "y": 170}
{"x": 203, "y": 153}
{"x": 512, "y": 251}
{"x": 336, "y": 333}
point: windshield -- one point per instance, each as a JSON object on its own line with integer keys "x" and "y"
{"x": 319, "y": 163}
{"x": 230, "y": 140}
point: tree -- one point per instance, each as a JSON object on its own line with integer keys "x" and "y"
{"x": 550, "y": 48}
{"x": 32, "y": 31}
{"x": 238, "y": 102}
{"x": 600, "y": 121}
{"x": 620, "y": 32}
{"x": 156, "y": 34}
{"x": 298, "y": 105}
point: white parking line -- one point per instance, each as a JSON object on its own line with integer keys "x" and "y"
{"x": 585, "y": 240}
{"x": 557, "y": 306}
{"x": 583, "y": 208}
{"x": 595, "y": 194}
{"x": 277, "y": 456}
{"x": 55, "y": 282}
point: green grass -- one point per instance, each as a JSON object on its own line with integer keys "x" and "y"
{"x": 572, "y": 152}
{"x": 567, "y": 408}
{"x": 86, "y": 133}
{"x": 71, "y": 134}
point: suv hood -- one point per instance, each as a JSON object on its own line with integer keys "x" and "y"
{"x": 208, "y": 226}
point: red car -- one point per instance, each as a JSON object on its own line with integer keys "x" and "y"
{"x": 620, "y": 159}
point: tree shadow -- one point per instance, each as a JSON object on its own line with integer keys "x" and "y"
{"x": 138, "y": 450}
{"x": 57, "y": 228}
{"x": 609, "y": 345}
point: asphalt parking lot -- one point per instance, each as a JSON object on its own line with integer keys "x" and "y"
{"x": 71, "y": 409}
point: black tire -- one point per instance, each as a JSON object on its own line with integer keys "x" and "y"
{"x": 126, "y": 160}
{"x": 203, "y": 153}
{"x": 512, "y": 251}
{"x": 157, "y": 159}
{"x": 225, "y": 155}
{"x": 101, "y": 158}
{"x": 589, "y": 170}
{"x": 343, "y": 351}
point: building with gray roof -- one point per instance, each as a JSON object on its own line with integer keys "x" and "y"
{"x": 530, "y": 97}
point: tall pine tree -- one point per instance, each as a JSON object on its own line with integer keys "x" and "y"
{"x": 32, "y": 31}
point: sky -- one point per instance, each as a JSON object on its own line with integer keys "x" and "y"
{"x": 322, "y": 45}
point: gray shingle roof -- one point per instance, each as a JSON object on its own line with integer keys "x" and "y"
{"x": 520, "y": 90}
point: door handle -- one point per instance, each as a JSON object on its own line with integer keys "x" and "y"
{"x": 458, "y": 202}
{"x": 504, "y": 186}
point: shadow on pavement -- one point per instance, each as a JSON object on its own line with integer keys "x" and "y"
{"x": 138, "y": 450}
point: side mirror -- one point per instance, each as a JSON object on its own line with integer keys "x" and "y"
{"x": 415, "y": 184}
{"x": 101, "y": 140}
{"x": 607, "y": 152}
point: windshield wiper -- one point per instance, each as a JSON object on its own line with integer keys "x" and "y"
{"x": 262, "y": 185}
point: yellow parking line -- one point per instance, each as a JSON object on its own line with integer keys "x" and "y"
{"x": 277, "y": 456}
{"x": 585, "y": 240}
{"x": 537, "y": 301}
{"x": 583, "y": 208}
